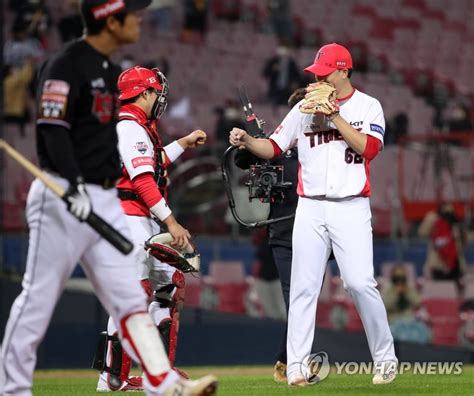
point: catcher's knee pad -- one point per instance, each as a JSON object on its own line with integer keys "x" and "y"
{"x": 111, "y": 358}
{"x": 172, "y": 297}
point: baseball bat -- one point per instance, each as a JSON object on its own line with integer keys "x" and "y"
{"x": 103, "y": 228}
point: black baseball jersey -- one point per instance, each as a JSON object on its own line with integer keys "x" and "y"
{"x": 77, "y": 91}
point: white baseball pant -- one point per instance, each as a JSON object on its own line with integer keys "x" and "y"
{"x": 345, "y": 226}
{"x": 57, "y": 241}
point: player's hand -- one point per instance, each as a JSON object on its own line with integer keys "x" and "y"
{"x": 77, "y": 200}
{"x": 238, "y": 137}
{"x": 180, "y": 234}
{"x": 194, "y": 139}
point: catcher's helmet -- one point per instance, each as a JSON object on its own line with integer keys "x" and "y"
{"x": 132, "y": 82}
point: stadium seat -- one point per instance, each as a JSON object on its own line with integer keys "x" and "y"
{"x": 440, "y": 299}
{"x": 228, "y": 282}
{"x": 193, "y": 290}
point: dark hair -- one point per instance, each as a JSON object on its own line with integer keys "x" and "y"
{"x": 296, "y": 96}
{"x": 94, "y": 26}
{"x": 349, "y": 73}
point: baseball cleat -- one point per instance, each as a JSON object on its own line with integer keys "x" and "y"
{"x": 385, "y": 372}
{"x": 205, "y": 386}
{"x": 131, "y": 384}
{"x": 298, "y": 380}
{"x": 279, "y": 372}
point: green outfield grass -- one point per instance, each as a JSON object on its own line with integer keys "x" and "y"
{"x": 249, "y": 380}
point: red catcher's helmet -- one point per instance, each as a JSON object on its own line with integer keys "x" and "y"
{"x": 132, "y": 82}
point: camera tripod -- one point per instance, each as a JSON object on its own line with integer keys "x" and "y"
{"x": 438, "y": 154}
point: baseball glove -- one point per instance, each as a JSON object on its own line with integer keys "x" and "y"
{"x": 185, "y": 260}
{"x": 320, "y": 98}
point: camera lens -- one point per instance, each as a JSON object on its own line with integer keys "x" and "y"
{"x": 266, "y": 179}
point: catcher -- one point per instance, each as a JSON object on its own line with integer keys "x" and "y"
{"x": 143, "y": 193}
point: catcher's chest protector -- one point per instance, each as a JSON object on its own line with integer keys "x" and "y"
{"x": 161, "y": 175}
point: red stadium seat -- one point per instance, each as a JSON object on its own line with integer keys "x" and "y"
{"x": 193, "y": 290}
{"x": 227, "y": 281}
{"x": 440, "y": 299}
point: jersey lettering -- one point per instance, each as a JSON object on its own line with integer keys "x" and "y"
{"x": 323, "y": 137}
{"x": 351, "y": 157}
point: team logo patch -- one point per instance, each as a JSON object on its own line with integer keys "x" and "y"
{"x": 53, "y": 101}
{"x": 141, "y": 161}
{"x": 377, "y": 128}
{"x": 141, "y": 147}
{"x": 103, "y": 106}
{"x": 58, "y": 87}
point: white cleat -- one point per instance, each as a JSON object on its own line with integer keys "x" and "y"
{"x": 205, "y": 386}
{"x": 385, "y": 372}
{"x": 299, "y": 380}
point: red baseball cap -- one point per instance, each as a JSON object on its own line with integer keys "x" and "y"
{"x": 330, "y": 57}
{"x": 132, "y": 82}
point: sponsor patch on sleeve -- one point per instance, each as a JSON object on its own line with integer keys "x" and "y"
{"x": 278, "y": 129}
{"x": 53, "y": 102}
{"x": 377, "y": 128}
{"x": 141, "y": 161}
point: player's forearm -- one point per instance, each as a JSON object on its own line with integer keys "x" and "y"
{"x": 173, "y": 151}
{"x": 260, "y": 147}
{"x": 148, "y": 191}
{"x": 355, "y": 139}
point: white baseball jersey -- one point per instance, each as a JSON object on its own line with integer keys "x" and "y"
{"x": 328, "y": 167}
{"x": 136, "y": 148}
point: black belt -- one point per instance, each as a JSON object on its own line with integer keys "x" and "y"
{"x": 127, "y": 195}
{"x": 106, "y": 183}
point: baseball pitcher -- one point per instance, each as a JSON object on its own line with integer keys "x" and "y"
{"x": 338, "y": 131}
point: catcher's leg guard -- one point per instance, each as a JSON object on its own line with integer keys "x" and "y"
{"x": 142, "y": 342}
{"x": 113, "y": 360}
{"x": 172, "y": 297}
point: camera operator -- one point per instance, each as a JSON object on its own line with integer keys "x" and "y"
{"x": 280, "y": 233}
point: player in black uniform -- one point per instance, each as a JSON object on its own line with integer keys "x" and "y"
{"x": 77, "y": 146}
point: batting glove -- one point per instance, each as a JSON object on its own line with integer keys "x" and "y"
{"x": 78, "y": 201}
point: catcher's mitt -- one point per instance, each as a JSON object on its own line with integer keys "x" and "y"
{"x": 185, "y": 260}
{"x": 320, "y": 98}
